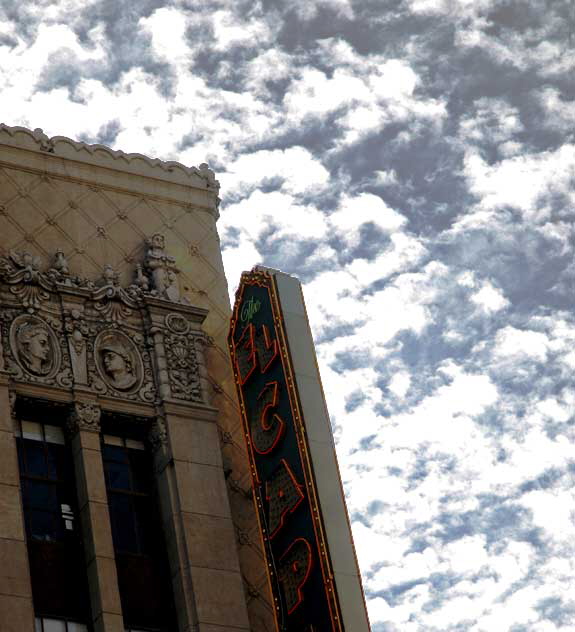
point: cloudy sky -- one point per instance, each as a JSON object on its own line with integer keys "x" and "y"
{"x": 412, "y": 161}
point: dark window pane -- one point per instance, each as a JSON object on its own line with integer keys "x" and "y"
{"x": 141, "y": 471}
{"x": 42, "y": 525}
{"x": 123, "y": 523}
{"x": 143, "y": 591}
{"x": 35, "y": 458}
{"x": 40, "y": 495}
{"x": 144, "y": 523}
{"x": 59, "y": 585}
{"x": 58, "y": 465}
{"x": 114, "y": 453}
{"x": 118, "y": 475}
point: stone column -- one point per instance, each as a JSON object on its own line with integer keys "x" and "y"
{"x": 197, "y": 521}
{"x": 16, "y": 607}
{"x": 84, "y": 427}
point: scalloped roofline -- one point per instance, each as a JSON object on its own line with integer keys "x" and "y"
{"x": 64, "y": 147}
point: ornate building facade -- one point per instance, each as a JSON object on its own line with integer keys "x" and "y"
{"x": 125, "y": 500}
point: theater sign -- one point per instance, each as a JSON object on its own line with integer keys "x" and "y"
{"x": 312, "y": 567}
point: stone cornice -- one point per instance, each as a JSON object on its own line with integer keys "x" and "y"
{"x": 195, "y": 314}
{"x": 200, "y": 178}
{"x": 190, "y": 409}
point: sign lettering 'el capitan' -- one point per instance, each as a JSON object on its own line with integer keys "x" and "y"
{"x": 293, "y": 532}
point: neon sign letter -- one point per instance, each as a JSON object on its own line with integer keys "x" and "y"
{"x": 283, "y": 495}
{"x": 294, "y": 571}
{"x": 266, "y": 428}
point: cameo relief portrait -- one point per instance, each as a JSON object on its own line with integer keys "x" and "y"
{"x": 34, "y": 346}
{"x": 118, "y": 361}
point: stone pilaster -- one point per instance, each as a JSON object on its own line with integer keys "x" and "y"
{"x": 84, "y": 429}
{"x": 197, "y": 521}
{"x": 196, "y": 514}
{"x": 15, "y": 588}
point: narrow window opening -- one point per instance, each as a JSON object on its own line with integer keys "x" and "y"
{"x": 55, "y": 551}
{"x": 141, "y": 559}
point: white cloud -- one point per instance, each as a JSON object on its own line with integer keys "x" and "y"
{"x": 512, "y": 342}
{"x": 307, "y": 9}
{"x": 298, "y": 170}
{"x": 553, "y": 510}
{"x": 22, "y": 68}
{"x": 277, "y": 211}
{"x": 269, "y": 65}
{"x": 167, "y": 26}
{"x": 377, "y": 317}
{"x": 314, "y": 93}
{"x": 494, "y": 122}
{"x": 462, "y": 8}
{"x": 521, "y": 181}
{"x": 489, "y": 298}
{"x": 560, "y": 112}
{"x": 399, "y": 384}
{"x": 368, "y": 92}
{"x": 355, "y": 211}
{"x": 237, "y": 260}
{"x": 555, "y": 410}
{"x": 542, "y": 51}
{"x": 385, "y": 178}
{"x": 230, "y": 30}
{"x": 402, "y": 253}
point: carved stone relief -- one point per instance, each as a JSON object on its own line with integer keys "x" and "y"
{"x": 112, "y": 301}
{"x": 84, "y": 416}
{"x": 162, "y": 268}
{"x": 22, "y": 272}
{"x": 59, "y": 329}
{"x": 181, "y": 347}
{"x": 34, "y": 346}
{"x": 79, "y": 330}
{"x": 177, "y": 324}
{"x": 118, "y": 361}
{"x": 158, "y": 435}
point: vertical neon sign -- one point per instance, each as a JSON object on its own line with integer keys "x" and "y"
{"x": 301, "y": 576}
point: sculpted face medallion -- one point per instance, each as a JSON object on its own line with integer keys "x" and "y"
{"x": 34, "y": 346}
{"x": 118, "y": 361}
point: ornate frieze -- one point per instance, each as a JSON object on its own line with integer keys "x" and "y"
{"x": 61, "y": 330}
